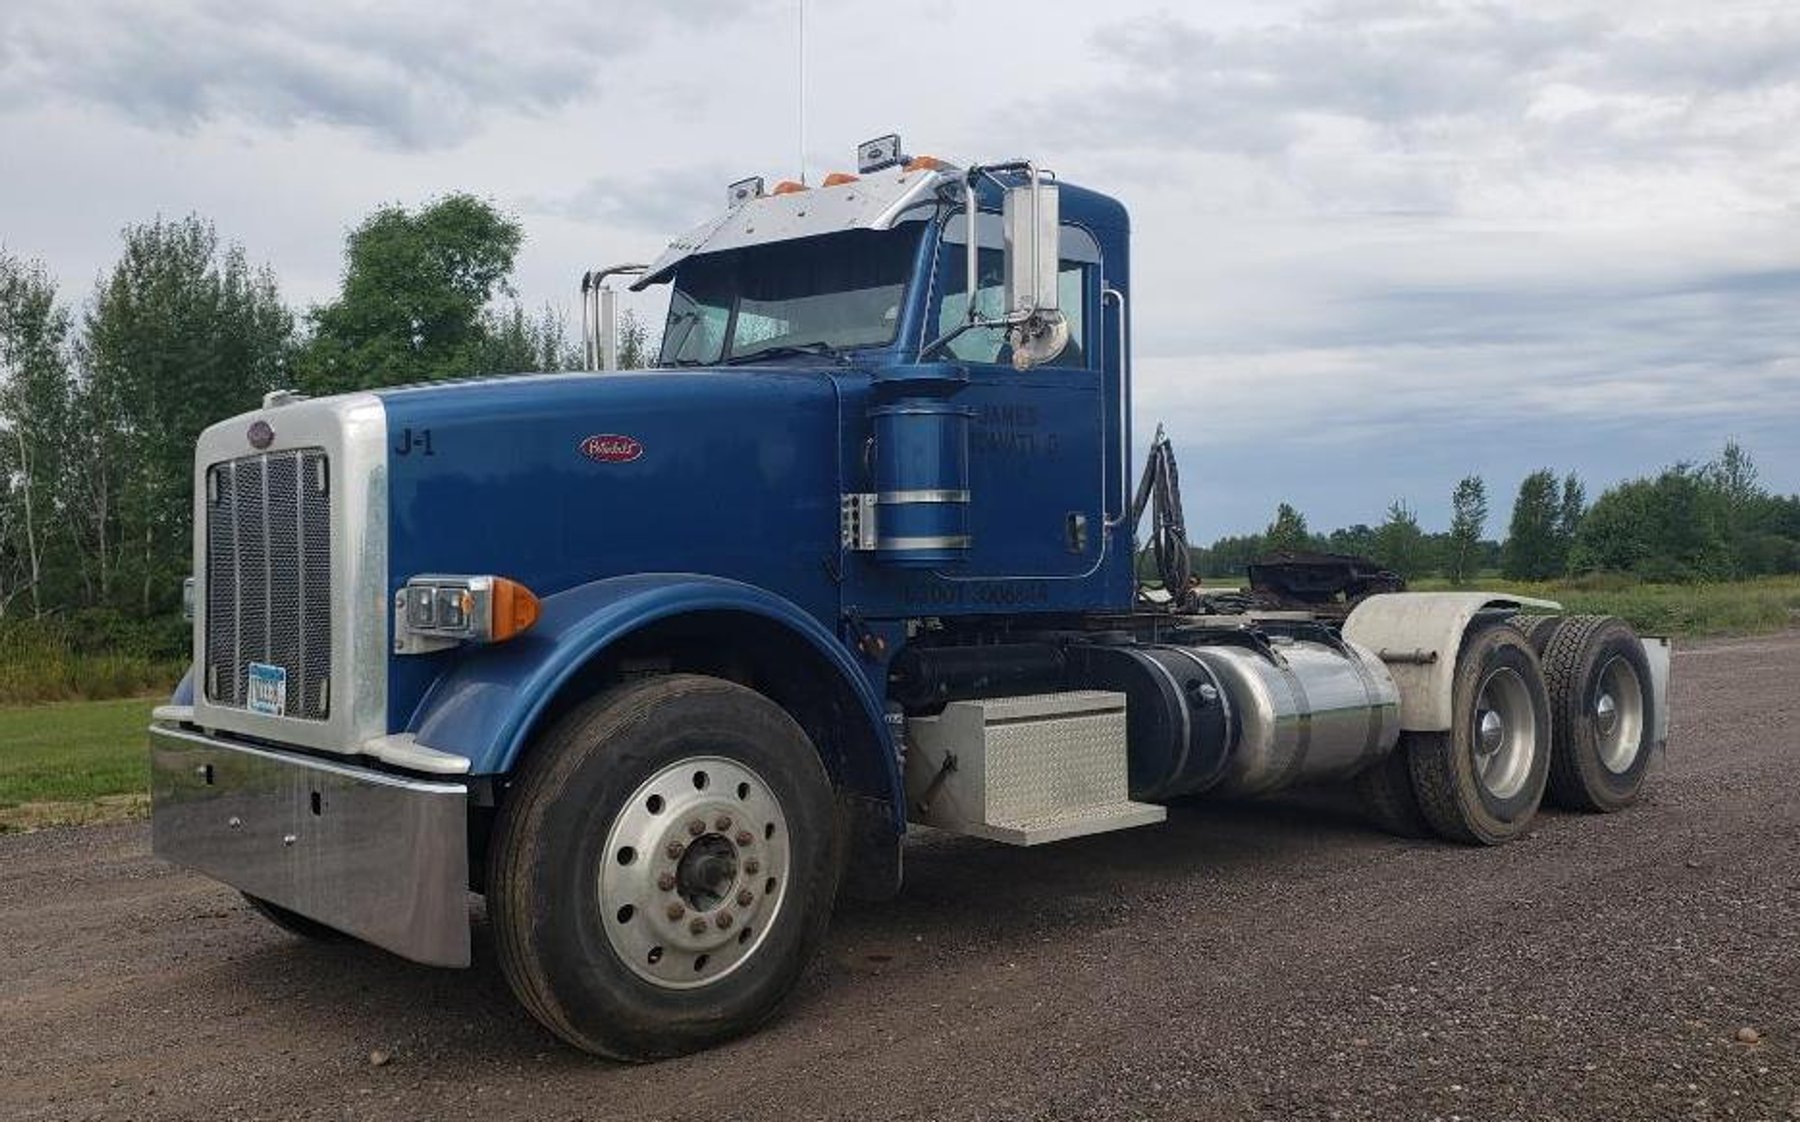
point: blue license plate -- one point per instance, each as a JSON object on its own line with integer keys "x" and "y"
{"x": 268, "y": 689}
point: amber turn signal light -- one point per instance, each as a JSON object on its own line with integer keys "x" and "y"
{"x": 515, "y": 609}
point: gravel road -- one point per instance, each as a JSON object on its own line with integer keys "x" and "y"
{"x": 1277, "y": 961}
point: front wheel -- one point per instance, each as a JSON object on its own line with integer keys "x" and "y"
{"x": 664, "y": 868}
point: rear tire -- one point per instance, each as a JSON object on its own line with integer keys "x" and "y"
{"x": 1603, "y": 713}
{"x": 1537, "y": 630}
{"x": 664, "y": 868}
{"x": 1386, "y": 794}
{"x": 1480, "y": 783}
{"x": 293, "y": 922}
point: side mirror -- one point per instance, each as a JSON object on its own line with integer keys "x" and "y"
{"x": 1032, "y": 221}
{"x": 1030, "y": 217}
{"x": 1032, "y": 237}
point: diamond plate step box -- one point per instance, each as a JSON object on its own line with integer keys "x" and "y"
{"x": 1024, "y": 770}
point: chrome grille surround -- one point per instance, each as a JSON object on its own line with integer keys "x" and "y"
{"x": 268, "y": 577}
{"x": 253, "y": 507}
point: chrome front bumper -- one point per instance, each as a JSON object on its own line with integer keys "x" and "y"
{"x": 382, "y": 857}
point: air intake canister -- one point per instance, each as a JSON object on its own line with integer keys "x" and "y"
{"x": 921, "y": 482}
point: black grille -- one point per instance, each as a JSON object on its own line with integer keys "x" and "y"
{"x": 268, "y": 578}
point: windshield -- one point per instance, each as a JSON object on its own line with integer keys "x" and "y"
{"x": 829, "y": 293}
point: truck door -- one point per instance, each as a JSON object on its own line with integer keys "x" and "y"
{"x": 1036, "y": 471}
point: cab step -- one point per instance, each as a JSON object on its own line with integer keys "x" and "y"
{"x": 1024, "y": 770}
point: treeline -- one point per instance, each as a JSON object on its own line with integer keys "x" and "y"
{"x": 1706, "y": 522}
{"x": 100, "y": 404}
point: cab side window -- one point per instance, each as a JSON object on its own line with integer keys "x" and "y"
{"x": 1078, "y": 270}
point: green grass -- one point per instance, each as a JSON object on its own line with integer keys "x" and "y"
{"x": 1685, "y": 610}
{"x": 71, "y": 754}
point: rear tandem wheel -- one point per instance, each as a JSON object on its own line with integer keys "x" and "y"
{"x": 1480, "y": 782}
{"x": 1603, "y": 713}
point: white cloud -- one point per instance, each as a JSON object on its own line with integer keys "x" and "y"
{"x": 414, "y": 73}
{"x": 1378, "y": 244}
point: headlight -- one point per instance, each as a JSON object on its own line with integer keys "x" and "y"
{"x": 434, "y": 612}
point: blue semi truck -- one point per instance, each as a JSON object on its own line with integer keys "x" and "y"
{"x": 664, "y": 662}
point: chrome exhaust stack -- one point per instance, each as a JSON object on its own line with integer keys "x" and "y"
{"x": 599, "y": 316}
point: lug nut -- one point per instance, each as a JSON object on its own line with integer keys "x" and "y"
{"x": 666, "y": 882}
{"x": 746, "y": 898}
{"x": 696, "y": 827}
{"x": 676, "y": 911}
{"x": 722, "y": 823}
{"x": 675, "y": 849}
{"x": 723, "y": 919}
{"x": 752, "y": 866}
{"x": 698, "y": 926}
{"x": 745, "y": 837}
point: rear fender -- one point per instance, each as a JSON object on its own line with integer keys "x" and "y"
{"x": 1417, "y": 636}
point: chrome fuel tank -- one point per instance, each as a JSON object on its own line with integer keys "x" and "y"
{"x": 1302, "y": 710}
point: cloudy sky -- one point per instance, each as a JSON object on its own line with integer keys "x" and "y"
{"x": 1379, "y": 244}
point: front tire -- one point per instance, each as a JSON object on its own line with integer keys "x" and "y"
{"x": 664, "y": 868}
{"x": 1481, "y": 782}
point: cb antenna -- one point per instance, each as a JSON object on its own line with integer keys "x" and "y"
{"x": 801, "y": 98}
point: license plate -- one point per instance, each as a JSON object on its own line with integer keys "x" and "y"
{"x": 268, "y": 689}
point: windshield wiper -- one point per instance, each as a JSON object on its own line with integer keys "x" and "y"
{"x": 788, "y": 350}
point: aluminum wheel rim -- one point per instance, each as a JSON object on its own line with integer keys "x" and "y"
{"x": 1504, "y": 733}
{"x": 1618, "y": 715}
{"x": 694, "y": 872}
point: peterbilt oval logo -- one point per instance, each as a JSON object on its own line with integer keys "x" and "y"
{"x": 260, "y": 434}
{"x": 611, "y": 448}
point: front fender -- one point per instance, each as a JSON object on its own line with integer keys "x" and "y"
{"x": 487, "y": 704}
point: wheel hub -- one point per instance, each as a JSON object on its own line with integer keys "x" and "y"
{"x": 1490, "y": 732}
{"x": 1619, "y": 715}
{"x": 1505, "y": 733}
{"x": 694, "y": 872}
{"x": 1606, "y": 714}
{"x": 706, "y": 872}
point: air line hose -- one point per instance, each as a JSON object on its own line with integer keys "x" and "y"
{"x": 1160, "y": 489}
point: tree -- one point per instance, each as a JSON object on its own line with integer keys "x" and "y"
{"x": 416, "y": 296}
{"x": 1735, "y": 474}
{"x": 1734, "y": 477}
{"x": 517, "y": 343}
{"x": 34, "y": 406}
{"x": 1568, "y": 518}
{"x": 635, "y": 347}
{"x": 1357, "y": 540}
{"x": 181, "y": 333}
{"x": 1672, "y": 528}
{"x": 1287, "y": 534}
{"x": 1399, "y": 543}
{"x": 1533, "y": 550}
{"x": 1468, "y": 517}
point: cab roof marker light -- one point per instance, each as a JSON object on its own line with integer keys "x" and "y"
{"x": 741, "y": 192}
{"x": 838, "y": 178}
{"x": 788, "y": 187}
{"x": 881, "y": 152}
